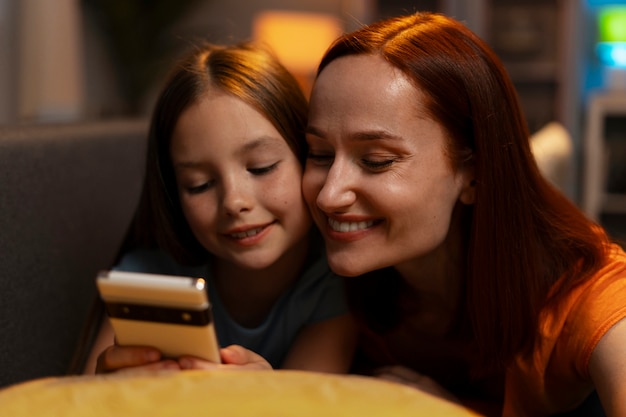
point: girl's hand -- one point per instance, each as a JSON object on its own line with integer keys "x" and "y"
{"x": 407, "y": 376}
{"x": 234, "y": 357}
{"x": 132, "y": 359}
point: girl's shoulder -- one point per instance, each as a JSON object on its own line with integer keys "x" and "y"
{"x": 317, "y": 273}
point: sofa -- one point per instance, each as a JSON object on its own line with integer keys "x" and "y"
{"x": 67, "y": 195}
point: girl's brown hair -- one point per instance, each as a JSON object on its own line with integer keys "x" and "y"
{"x": 249, "y": 72}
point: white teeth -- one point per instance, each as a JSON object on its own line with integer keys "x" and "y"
{"x": 348, "y": 226}
{"x": 247, "y": 233}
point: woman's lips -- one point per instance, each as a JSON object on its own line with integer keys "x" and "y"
{"x": 343, "y": 226}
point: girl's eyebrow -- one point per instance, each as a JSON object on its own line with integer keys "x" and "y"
{"x": 188, "y": 164}
{"x": 260, "y": 143}
{"x": 263, "y": 142}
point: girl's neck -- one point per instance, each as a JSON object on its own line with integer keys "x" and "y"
{"x": 249, "y": 294}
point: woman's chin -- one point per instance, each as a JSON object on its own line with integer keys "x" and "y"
{"x": 345, "y": 267}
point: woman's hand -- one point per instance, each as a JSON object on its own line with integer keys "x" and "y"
{"x": 407, "y": 376}
{"x": 133, "y": 359}
{"x": 234, "y": 357}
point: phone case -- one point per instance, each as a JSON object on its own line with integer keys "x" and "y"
{"x": 170, "y": 313}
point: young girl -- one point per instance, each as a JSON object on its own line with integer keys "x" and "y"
{"x": 222, "y": 200}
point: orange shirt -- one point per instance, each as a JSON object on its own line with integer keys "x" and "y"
{"x": 556, "y": 378}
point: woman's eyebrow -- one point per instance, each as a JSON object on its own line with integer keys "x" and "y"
{"x": 374, "y": 135}
{"x": 312, "y": 130}
{"x": 365, "y": 135}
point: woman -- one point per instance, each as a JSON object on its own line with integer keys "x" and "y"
{"x": 480, "y": 277}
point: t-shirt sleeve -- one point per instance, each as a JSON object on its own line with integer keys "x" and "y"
{"x": 599, "y": 307}
{"x": 332, "y": 302}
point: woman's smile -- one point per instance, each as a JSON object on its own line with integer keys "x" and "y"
{"x": 371, "y": 153}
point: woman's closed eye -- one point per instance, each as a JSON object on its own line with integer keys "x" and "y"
{"x": 378, "y": 165}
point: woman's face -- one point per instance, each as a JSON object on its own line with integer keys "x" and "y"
{"x": 377, "y": 180}
{"x": 238, "y": 181}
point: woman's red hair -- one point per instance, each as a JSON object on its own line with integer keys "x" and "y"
{"x": 524, "y": 234}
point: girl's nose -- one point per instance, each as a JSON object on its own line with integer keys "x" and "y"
{"x": 237, "y": 197}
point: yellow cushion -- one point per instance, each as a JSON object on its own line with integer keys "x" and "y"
{"x": 221, "y": 393}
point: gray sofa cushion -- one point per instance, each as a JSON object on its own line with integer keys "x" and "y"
{"x": 67, "y": 195}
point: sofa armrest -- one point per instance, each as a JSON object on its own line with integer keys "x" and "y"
{"x": 67, "y": 195}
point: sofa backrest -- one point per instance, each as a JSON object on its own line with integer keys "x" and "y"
{"x": 67, "y": 195}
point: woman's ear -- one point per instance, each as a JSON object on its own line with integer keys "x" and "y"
{"x": 468, "y": 192}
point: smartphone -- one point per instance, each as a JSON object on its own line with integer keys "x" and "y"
{"x": 170, "y": 313}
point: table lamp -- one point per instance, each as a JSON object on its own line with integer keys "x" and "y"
{"x": 299, "y": 39}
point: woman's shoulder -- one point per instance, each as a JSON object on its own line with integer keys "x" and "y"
{"x": 600, "y": 291}
{"x": 590, "y": 309}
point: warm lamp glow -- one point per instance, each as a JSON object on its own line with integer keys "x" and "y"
{"x": 299, "y": 39}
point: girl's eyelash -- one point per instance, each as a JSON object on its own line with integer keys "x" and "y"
{"x": 263, "y": 170}
{"x": 198, "y": 188}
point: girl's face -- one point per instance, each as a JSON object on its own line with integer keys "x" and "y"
{"x": 239, "y": 183}
{"x": 377, "y": 180}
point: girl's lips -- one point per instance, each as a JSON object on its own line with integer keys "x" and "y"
{"x": 249, "y": 236}
{"x": 247, "y": 233}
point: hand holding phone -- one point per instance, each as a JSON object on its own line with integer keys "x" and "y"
{"x": 169, "y": 313}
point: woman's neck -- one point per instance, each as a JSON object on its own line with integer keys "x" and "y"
{"x": 438, "y": 276}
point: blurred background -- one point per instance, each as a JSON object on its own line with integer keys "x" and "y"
{"x": 78, "y": 60}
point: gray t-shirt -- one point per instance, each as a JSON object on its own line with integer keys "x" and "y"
{"x": 317, "y": 295}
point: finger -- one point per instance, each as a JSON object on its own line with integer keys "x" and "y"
{"x": 401, "y": 372}
{"x": 168, "y": 364}
{"x": 238, "y": 355}
{"x": 413, "y": 379}
{"x": 117, "y": 357}
{"x": 391, "y": 378}
{"x": 190, "y": 362}
{"x": 234, "y": 357}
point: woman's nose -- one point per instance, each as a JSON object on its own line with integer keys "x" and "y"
{"x": 337, "y": 191}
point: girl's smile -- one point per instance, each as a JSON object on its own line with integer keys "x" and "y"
{"x": 238, "y": 182}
